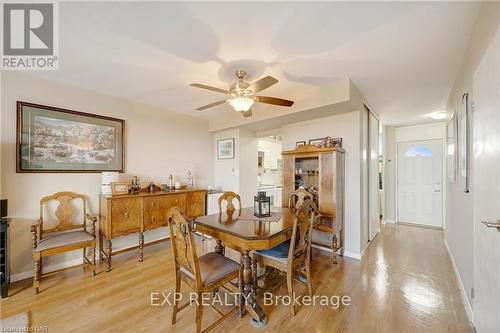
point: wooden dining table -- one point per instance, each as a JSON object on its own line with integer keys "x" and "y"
{"x": 244, "y": 233}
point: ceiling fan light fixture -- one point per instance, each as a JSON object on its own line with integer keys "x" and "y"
{"x": 241, "y": 104}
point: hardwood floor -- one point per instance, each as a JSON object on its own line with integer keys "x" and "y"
{"x": 405, "y": 283}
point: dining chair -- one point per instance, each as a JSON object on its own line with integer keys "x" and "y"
{"x": 294, "y": 255}
{"x": 67, "y": 235}
{"x": 297, "y": 197}
{"x": 229, "y": 197}
{"x": 203, "y": 274}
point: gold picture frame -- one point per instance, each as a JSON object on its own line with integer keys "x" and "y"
{"x": 119, "y": 188}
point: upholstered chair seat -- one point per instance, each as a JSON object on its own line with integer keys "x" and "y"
{"x": 63, "y": 239}
{"x": 214, "y": 267}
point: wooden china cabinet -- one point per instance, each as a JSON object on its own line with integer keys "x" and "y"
{"x": 321, "y": 172}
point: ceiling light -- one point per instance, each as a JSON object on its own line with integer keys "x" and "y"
{"x": 439, "y": 115}
{"x": 241, "y": 104}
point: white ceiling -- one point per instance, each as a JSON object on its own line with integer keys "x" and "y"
{"x": 403, "y": 56}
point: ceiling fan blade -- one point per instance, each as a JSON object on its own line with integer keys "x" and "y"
{"x": 210, "y": 105}
{"x": 274, "y": 101}
{"x": 247, "y": 114}
{"x": 262, "y": 84}
{"x": 204, "y": 86}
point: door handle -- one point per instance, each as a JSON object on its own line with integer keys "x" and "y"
{"x": 437, "y": 190}
{"x": 492, "y": 224}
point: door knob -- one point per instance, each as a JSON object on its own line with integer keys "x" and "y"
{"x": 492, "y": 224}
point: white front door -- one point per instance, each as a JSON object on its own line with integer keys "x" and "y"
{"x": 486, "y": 189}
{"x": 420, "y": 179}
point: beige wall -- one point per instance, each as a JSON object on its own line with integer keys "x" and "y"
{"x": 346, "y": 126}
{"x": 459, "y": 232}
{"x": 157, "y": 143}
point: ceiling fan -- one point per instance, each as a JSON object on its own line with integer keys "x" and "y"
{"x": 241, "y": 95}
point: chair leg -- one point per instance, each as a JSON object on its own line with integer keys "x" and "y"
{"x": 241, "y": 285}
{"x": 334, "y": 248}
{"x": 94, "y": 261}
{"x": 36, "y": 272}
{"x": 199, "y": 313}
{"x": 290, "y": 288}
{"x": 308, "y": 276}
{"x": 176, "y": 301}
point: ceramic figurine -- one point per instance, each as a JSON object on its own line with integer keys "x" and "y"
{"x": 135, "y": 185}
{"x": 189, "y": 179}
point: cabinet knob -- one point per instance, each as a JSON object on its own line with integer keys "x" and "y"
{"x": 153, "y": 204}
{"x": 125, "y": 215}
{"x": 153, "y": 219}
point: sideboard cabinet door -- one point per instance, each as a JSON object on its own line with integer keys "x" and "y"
{"x": 126, "y": 216}
{"x": 195, "y": 204}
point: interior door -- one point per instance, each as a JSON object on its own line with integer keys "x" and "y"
{"x": 373, "y": 174}
{"x": 420, "y": 179}
{"x": 486, "y": 189}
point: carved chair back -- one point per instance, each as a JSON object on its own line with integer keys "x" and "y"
{"x": 300, "y": 244}
{"x": 297, "y": 197}
{"x": 64, "y": 212}
{"x": 229, "y": 197}
{"x": 184, "y": 247}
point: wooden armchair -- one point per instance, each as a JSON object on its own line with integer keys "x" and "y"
{"x": 294, "y": 255}
{"x": 65, "y": 236}
{"x": 229, "y": 197}
{"x": 204, "y": 274}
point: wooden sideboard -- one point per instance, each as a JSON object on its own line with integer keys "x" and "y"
{"x": 135, "y": 213}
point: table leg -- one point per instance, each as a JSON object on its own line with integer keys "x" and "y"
{"x": 241, "y": 312}
{"x": 252, "y": 306}
{"x": 219, "y": 248}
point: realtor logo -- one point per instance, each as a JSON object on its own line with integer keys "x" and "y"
{"x": 29, "y": 36}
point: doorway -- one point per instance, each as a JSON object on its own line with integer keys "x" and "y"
{"x": 419, "y": 182}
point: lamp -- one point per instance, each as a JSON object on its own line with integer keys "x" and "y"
{"x": 262, "y": 205}
{"x": 241, "y": 104}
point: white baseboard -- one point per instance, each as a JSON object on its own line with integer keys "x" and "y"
{"x": 353, "y": 255}
{"x": 46, "y": 269}
{"x": 468, "y": 306}
{"x": 388, "y": 221}
{"x": 66, "y": 264}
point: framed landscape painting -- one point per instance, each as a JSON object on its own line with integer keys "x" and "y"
{"x": 51, "y": 139}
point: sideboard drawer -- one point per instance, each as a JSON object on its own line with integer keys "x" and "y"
{"x": 153, "y": 203}
{"x": 155, "y": 218}
{"x": 126, "y": 216}
{"x": 174, "y": 200}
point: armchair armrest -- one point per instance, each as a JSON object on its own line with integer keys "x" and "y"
{"x": 35, "y": 228}
{"x": 93, "y": 220}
